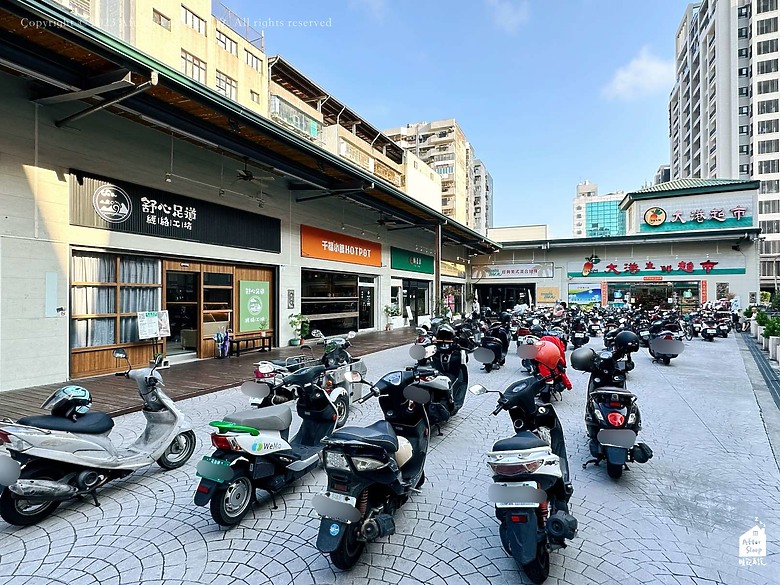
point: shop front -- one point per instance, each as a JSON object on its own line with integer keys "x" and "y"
{"x": 453, "y": 287}
{"x": 147, "y": 302}
{"x": 338, "y": 301}
{"x": 502, "y": 286}
{"x": 416, "y": 292}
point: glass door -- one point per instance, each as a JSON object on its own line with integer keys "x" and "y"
{"x": 181, "y": 301}
{"x": 366, "y": 305}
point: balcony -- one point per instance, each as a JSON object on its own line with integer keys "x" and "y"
{"x": 388, "y": 174}
{"x": 287, "y": 115}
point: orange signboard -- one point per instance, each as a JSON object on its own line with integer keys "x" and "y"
{"x": 703, "y": 295}
{"x": 652, "y": 278}
{"x": 603, "y": 293}
{"x": 317, "y": 243}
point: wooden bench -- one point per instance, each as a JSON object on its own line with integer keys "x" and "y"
{"x": 260, "y": 341}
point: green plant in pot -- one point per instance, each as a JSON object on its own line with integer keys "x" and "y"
{"x": 762, "y": 319}
{"x": 300, "y": 325}
{"x": 772, "y": 328}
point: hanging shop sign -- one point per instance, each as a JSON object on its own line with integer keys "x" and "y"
{"x": 108, "y": 204}
{"x": 660, "y": 266}
{"x": 546, "y": 295}
{"x": 585, "y": 294}
{"x": 253, "y": 298}
{"x": 453, "y": 269}
{"x": 317, "y": 243}
{"x": 703, "y": 289}
{"x": 537, "y": 270}
{"x": 401, "y": 259}
{"x": 696, "y": 213}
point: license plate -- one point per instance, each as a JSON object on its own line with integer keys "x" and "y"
{"x": 214, "y": 469}
{"x": 643, "y": 333}
{"x": 579, "y": 335}
{"x": 336, "y": 506}
{"x": 518, "y": 494}
{"x": 711, "y": 331}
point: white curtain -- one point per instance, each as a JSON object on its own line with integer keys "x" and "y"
{"x": 91, "y": 267}
{"x": 92, "y": 332}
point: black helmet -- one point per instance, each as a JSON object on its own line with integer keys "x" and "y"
{"x": 537, "y": 330}
{"x": 506, "y": 317}
{"x": 445, "y": 333}
{"x": 582, "y": 359}
{"x": 627, "y": 342}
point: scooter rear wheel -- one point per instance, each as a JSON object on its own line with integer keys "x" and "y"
{"x": 230, "y": 505}
{"x": 349, "y": 550}
{"x": 179, "y": 451}
{"x": 539, "y": 569}
{"x": 23, "y": 512}
{"x": 488, "y": 367}
{"x": 614, "y": 470}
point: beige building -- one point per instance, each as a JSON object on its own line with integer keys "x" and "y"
{"x": 442, "y": 145}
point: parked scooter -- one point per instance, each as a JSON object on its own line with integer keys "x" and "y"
{"x": 373, "y": 470}
{"x": 579, "y": 332}
{"x": 69, "y": 453}
{"x": 531, "y": 488}
{"x": 254, "y": 450}
{"x": 663, "y": 345}
{"x": 338, "y": 363}
{"x": 494, "y": 347}
{"x": 448, "y": 390}
{"x": 612, "y": 416}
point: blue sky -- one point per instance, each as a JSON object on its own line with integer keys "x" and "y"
{"x": 549, "y": 92}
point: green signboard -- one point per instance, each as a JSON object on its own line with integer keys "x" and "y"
{"x": 253, "y": 305}
{"x": 413, "y": 261}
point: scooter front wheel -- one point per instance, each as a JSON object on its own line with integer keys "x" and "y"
{"x": 342, "y": 411}
{"x": 349, "y": 550}
{"x": 229, "y": 506}
{"x": 179, "y": 451}
{"x": 20, "y": 512}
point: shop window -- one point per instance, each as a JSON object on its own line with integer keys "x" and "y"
{"x": 217, "y": 297}
{"x": 104, "y": 307}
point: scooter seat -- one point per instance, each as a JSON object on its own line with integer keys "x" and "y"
{"x": 380, "y": 433}
{"x": 521, "y": 441}
{"x": 92, "y": 423}
{"x": 290, "y": 366}
{"x": 270, "y": 418}
{"x": 305, "y": 375}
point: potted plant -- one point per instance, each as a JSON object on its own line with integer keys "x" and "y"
{"x": 772, "y": 334}
{"x": 393, "y": 313}
{"x": 761, "y": 320}
{"x": 300, "y": 325}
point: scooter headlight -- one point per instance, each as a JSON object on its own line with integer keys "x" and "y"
{"x": 367, "y": 463}
{"x": 335, "y": 460}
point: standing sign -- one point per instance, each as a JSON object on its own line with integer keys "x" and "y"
{"x": 253, "y": 305}
{"x": 153, "y": 324}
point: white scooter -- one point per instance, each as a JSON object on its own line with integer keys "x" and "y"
{"x": 59, "y": 458}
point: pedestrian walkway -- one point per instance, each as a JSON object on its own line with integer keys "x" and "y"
{"x": 116, "y": 395}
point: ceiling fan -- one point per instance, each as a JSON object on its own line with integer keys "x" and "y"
{"x": 246, "y": 175}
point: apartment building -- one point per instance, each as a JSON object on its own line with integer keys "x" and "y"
{"x": 442, "y": 145}
{"x": 724, "y": 112}
{"x": 483, "y": 198}
{"x": 596, "y": 216}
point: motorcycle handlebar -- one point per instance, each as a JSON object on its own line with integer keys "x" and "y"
{"x": 498, "y": 409}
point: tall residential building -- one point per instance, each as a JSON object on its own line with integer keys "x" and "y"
{"x": 724, "y": 112}
{"x": 595, "y": 215}
{"x": 483, "y": 198}
{"x": 442, "y": 145}
{"x": 662, "y": 175}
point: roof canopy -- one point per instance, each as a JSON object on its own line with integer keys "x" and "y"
{"x": 680, "y": 187}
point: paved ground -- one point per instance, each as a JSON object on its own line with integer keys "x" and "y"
{"x": 676, "y": 519}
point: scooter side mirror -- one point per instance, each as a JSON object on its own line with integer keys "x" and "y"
{"x": 316, "y": 333}
{"x": 120, "y": 354}
{"x": 421, "y": 331}
{"x": 351, "y": 335}
{"x": 258, "y": 390}
{"x": 478, "y": 389}
{"x": 417, "y": 394}
{"x": 418, "y": 352}
{"x": 353, "y": 377}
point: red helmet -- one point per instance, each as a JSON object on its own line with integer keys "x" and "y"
{"x": 548, "y": 354}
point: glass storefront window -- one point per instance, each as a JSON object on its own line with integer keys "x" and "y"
{"x": 330, "y": 300}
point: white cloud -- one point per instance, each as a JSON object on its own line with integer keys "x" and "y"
{"x": 645, "y": 74}
{"x": 375, "y": 8}
{"x": 508, "y": 15}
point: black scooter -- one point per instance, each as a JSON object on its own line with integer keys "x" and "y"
{"x": 373, "y": 470}
{"x": 531, "y": 488}
{"x": 493, "y": 348}
{"x": 612, "y": 417}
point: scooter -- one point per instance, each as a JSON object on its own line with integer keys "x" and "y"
{"x": 64, "y": 456}
{"x": 612, "y": 416}
{"x": 253, "y": 449}
{"x": 531, "y": 488}
{"x": 372, "y": 471}
{"x": 493, "y": 348}
{"x": 663, "y": 346}
{"x": 337, "y": 361}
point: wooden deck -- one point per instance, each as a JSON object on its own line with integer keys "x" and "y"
{"x": 117, "y": 395}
